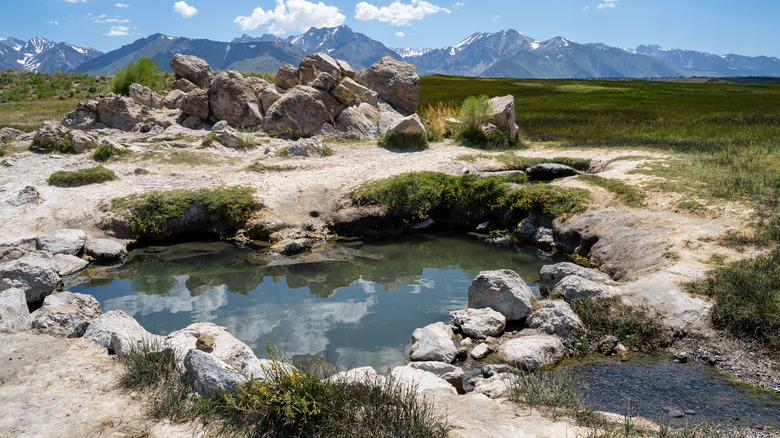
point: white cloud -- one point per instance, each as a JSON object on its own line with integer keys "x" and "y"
{"x": 55, "y": 22}
{"x": 458, "y": 5}
{"x": 397, "y": 14}
{"x": 122, "y": 5}
{"x": 607, "y": 4}
{"x": 292, "y": 16}
{"x": 118, "y": 31}
{"x": 400, "y": 34}
{"x": 76, "y": 1}
{"x": 184, "y": 9}
{"x": 103, "y": 19}
{"x": 496, "y": 18}
{"x": 586, "y": 8}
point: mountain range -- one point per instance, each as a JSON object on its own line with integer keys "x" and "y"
{"x": 42, "y": 55}
{"x": 508, "y": 53}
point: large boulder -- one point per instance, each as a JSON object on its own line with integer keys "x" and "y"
{"x": 12, "y": 248}
{"x": 81, "y": 140}
{"x": 503, "y": 291}
{"x": 173, "y": 99}
{"x": 433, "y": 343}
{"x": 550, "y": 171}
{"x": 66, "y": 314}
{"x": 306, "y": 147}
{"x": 287, "y": 77}
{"x": 192, "y": 68}
{"x": 183, "y": 85}
{"x": 67, "y": 241}
{"x": 300, "y": 112}
{"x": 574, "y": 286}
{"x": 452, "y": 374}
{"x": 145, "y": 96}
{"x": 532, "y": 352}
{"x": 105, "y": 250}
{"x": 209, "y": 375}
{"x": 232, "y": 98}
{"x": 120, "y": 112}
{"x": 80, "y": 118}
{"x": 410, "y": 125}
{"x": 358, "y": 122}
{"x": 268, "y": 96}
{"x": 9, "y": 134}
{"x": 120, "y": 333}
{"x": 387, "y": 117}
{"x": 479, "y": 323}
{"x": 350, "y": 92}
{"x": 313, "y": 65}
{"x": 14, "y": 313}
{"x": 50, "y": 134}
{"x": 34, "y": 275}
{"x": 227, "y": 349}
{"x": 195, "y": 103}
{"x": 68, "y": 264}
{"x": 555, "y": 318}
{"x": 420, "y": 380}
{"x": 396, "y": 82}
{"x": 550, "y": 275}
{"x": 503, "y": 114}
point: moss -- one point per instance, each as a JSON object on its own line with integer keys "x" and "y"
{"x": 92, "y": 175}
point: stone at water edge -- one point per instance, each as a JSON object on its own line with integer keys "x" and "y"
{"x": 14, "y": 313}
{"x": 450, "y": 373}
{"x": 228, "y": 348}
{"x": 555, "y": 318}
{"x": 209, "y": 375}
{"x": 503, "y": 291}
{"x": 481, "y": 351}
{"x": 420, "y": 380}
{"x": 496, "y": 386}
{"x": 532, "y": 352}
{"x": 120, "y": 333}
{"x": 68, "y": 241}
{"x": 66, "y": 314}
{"x": 68, "y": 264}
{"x": 365, "y": 376}
{"x": 479, "y": 323}
{"x": 32, "y": 274}
{"x": 574, "y": 286}
{"x": 105, "y": 250}
{"x": 266, "y": 369}
{"x": 550, "y": 275}
{"x": 433, "y": 343}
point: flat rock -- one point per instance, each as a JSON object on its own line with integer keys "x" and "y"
{"x": 66, "y": 314}
{"x": 433, "y": 343}
{"x": 574, "y": 286}
{"x": 481, "y": 351}
{"x": 479, "y": 323}
{"x": 503, "y": 291}
{"x": 532, "y": 352}
{"x": 68, "y": 264}
{"x": 420, "y": 380}
{"x": 496, "y": 386}
{"x": 69, "y": 241}
{"x": 228, "y": 349}
{"x": 550, "y": 275}
{"x": 550, "y": 171}
{"x": 452, "y": 374}
{"x": 555, "y": 318}
{"x": 105, "y": 250}
{"x": 32, "y": 274}
{"x": 120, "y": 333}
{"x": 14, "y": 313}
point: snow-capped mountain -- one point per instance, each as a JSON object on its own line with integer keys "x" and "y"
{"x": 42, "y": 55}
{"x": 708, "y": 64}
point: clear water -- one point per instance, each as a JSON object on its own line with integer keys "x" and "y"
{"x": 355, "y": 303}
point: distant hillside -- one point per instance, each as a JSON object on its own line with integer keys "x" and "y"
{"x": 707, "y": 64}
{"x": 42, "y": 55}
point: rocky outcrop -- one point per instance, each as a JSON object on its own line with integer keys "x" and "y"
{"x": 555, "y": 318}
{"x": 173, "y": 99}
{"x": 503, "y": 291}
{"x": 232, "y": 98}
{"x": 50, "y": 134}
{"x": 410, "y": 125}
{"x": 105, "y": 250}
{"x": 228, "y": 349}
{"x": 433, "y": 343}
{"x": 358, "y": 122}
{"x": 350, "y": 92}
{"x": 9, "y": 134}
{"x": 209, "y": 375}
{"x": 305, "y": 147}
{"x": 14, "y": 313}
{"x": 532, "y": 352}
{"x": 145, "y": 96}
{"x": 83, "y": 117}
{"x": 550, "y": 171}
{"x": 68, "y": 241}
{"x": 193, "y": 69}
{"x": 287, "y": 77}
{"x": 195, "y": 103}
{"x": 12, "y": 248}
{"x": 550, "y": 275}
{"x": 32, "y": 274}
{"x": 574, "y": 286}
{"x": 119, "y": 112}
{"x": 479, "y": 323}
{"x": 66, "y": 314}
{"x": 315, "y": 64}
{"x": 28, "y": 195}
{"x": 300, "y": 112}
{"x": 396, "y": 82}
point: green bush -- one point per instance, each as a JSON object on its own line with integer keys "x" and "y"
{"x": 92, "y": 175}
{"x": 105, "y": 152}
{"x": 145, "y": 71}
{"x": 63, "y": 146}
{"x": 404, "y": 141}
{"x": 475, "y": 112}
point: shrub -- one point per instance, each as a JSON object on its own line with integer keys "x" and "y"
{"x": 404, "y": 141}
{"x": 105, "y": 152}
{"x": 92, "y": 175}
{"x": 475, "y": 112}
{"x": 633, "y": 327}
{"x": 145, "y": 71}
{"x": 63, "y": 146}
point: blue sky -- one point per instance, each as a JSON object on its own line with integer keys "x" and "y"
{"x": 748, "y": 27}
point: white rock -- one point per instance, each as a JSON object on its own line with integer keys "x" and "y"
{"x": 14, "y": 313}
{"x": 420, "y": 380}
{"x": 120, "y": 333}
{"x": 450, "y": 373}
{"x": 68, "y": 264}
{"x": 32, "y": 274}
{"x": 496, "y": 386}
{"x": 574, "y": 286}
{"x": 228, "y": 348}
{"x": 481, "y": 351}
{"x": 66, "y": 314}
{"x": 69, "y": 241}
{"x": 532, "y": 352}
{"x": 555, "y": 318}
{"x": 366, "y": 376}
{"x": 433, "y": 343}
{"x": 550, "y": 275}
{"x": 265, "y": 369}
{"x": 210, "y": 375}
{"x": 479, "y": 323}
{"x": 12, "y": 248}
{"x": 503, "y": 291}
{"x": 105, "y": 250}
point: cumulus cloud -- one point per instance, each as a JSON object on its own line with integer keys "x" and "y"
{"x": 607, "y": 4}
{"x": 184, "y": 9}
{"x": 397, "y": 14}
{"x": 586, "y": 8}
{"x": 292, "y": 16}
{"x": 122, "y": 5}
{"x": 119, "y": 31}
{"x": 400, "y": 34}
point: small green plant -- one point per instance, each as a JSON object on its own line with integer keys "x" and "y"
{"x": 475, "y": 112}
{"x": 260, "y": 167}
{"x": 633, "y": 327}
{"x": 209, "y": 140}
{"x": 283, "y": 152}
{"x": 105, "y": 152}
{"x": 403, "y": 141}
{"x": 627, "y": 194}
{"x": 145, "y": 71}
{"x": 62, "y": 145}
{"x": 245, "y": 139}
{"x": 327, "y": 151}
{"x": 92, "y": 175}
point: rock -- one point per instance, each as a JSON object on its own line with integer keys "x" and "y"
{"x": 14, "y": 313}
{"x": 265, "y": 369}
{"x": 346, "y": 70}
{"x": 119, "y": 112}
{"x": 66, "y": 314}
{"x": 68, "y": 264}
{"x": 411, "y": 125}
{"x": 209, "y": 375}
{"x": 491, "y": 370}
{"x": 532, "y": 228}
{"x": 324, "y": 82}
{"x": 36, "y": 277}
{"x": 12, "y": 248}
{"x": 479, "y": 323}
{"x": 50, "y": 134}
{"x": 105, "y": 250}
{"x": 192, "y": 68}
{"x": 396, "y": 82}
{"x": 481, "y": 351}
{"x": 232, "y": 98}
{"x": 145, "y": 96}
{"x": 450, "y": 373}
{"x": 28, "y": 195}
{"x": 358, "y": 122}
{"x": 68, "y": 241}
{"x": 9, "y": 134}
{"x": 120, "y": 333}
{"x": 80, "y": 118}
{"x": 315, "y": 64}
{"x": 228, "y": 348}
{"x": 306, "y": 147}
{"x": 419, "y": 380}
{"x": 173, "y": 99}
{"x": 81, "y": 140}
{"x": 550, "y": 275}
{"x": 387, "y": 116}
{"x": 607, "y": 345}
{"x": 503, "y": 115}
{"x": 195, "y": 103}
{"x": 184, "y": 85}
{"x": 350, "y": 92}
{"x": 205, "y": 342}
{"x": 532, "y": 352}
{"x": 365, "y": 376}
{"x": 496, "y": 386}
{"x": 555, "y": 318}
{"x": 550, "y": 171}
{"x": 300, "y": 112}
{"x": 574, "y": 286}
{"x": 269, "y": 96}
{"x": 292, "y": 246}
{"x": 503, "y": 291}
{"x": 192, "y": 122}
{"x": 287, "y": 77}
{"x": 433, "y": 343}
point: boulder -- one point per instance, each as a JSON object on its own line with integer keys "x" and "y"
{"x": 192, "y": 68}
{"x": 14, "y": 313}
{"x": 173, "y": 99}
{"x": 555, "y": 318}
{"x": 35, "y": 276}
{"x": 50, "y": 134}
{"x": 450, "y": 373}
{"x": 346, "y": 70}
{"x": 479, "y": 323}
{"x": 496, "y": 386}
{"x": 290, "y": 247}
{"x": 68, "y": 264}
{"x": 550, "y": 171}
{"x": 145, "y": 96}
{"x": 550, "y": 275}
{"x": 481, "y": 351}
{"x": 574, "y": 286}
{"x": 313, "y": 65}
{"x": 105, "y": 250}
{"x": 184, "y": 85}
{"x": 209, "y": 375}
{"x": 12, "y": 248}
{"x": 306, "y": 147}
{"x": 324, "y": 82}
{"x": 358, "y": 122}
{"x": 80, "y": 118}
{"x": 532, "y": 352}
{"x": 396, "y": 82}
{"x": 66, "y": 314}
{"x": 228, "y": 348}
{"x": 9, "y": 134}
{"x": 420, "y": 380}
{"x": 120, "y": 333}
{"x": 433, "y": 343}
{"x": 269, "y": 96}
{"x": 300, "y": 112}
{"x": 68, "y": 241}
{"x": 387, "y": 117}
{"x": 119, "y": 112}
{"x": 28, "y": 195}
{"x": 81, "y": 140}
{"x": 492, "y": 369}
{"x": 191, "y": 122}
{"x": 350, "y": 92}
{"x": 503, "y": 291}
{"x": 265, "y": 369}
{"x": 195, "y": 103}
{"x": 503, "y": 115}
{"x": 410, "y": 125}
{"x": 232, "y": 98}
{"x": 287, "y": 77}
{"x": 365, "y": 376}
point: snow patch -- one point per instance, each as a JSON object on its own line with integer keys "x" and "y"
{"x": 535, "y": 45}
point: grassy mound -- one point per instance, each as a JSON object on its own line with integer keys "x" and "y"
{"x": 92, "y": 175}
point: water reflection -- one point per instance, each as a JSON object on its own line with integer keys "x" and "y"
{"x": 355, "y": 302}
